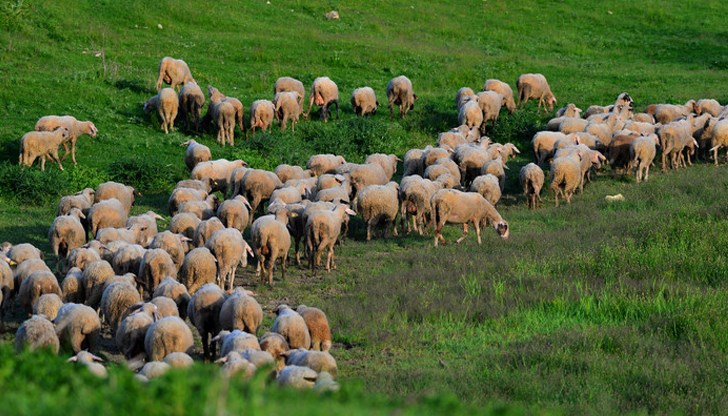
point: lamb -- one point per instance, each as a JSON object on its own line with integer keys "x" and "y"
{"x": 316, "y": 360}
{"x": 414, "y": 196}
{"x": 94, "y": 278}
{"x": 489, "y": 186}
{"x": 642, "y": 153}
{"x": 327, "y": 163}
{"x": 128, "y": 259}
{"x": 196, "y": 153}
{"x": 80, "y": 200}
{"x": 531, "y": 179}
{"x": 565, "y": 177}
{"x": 37, "y": 284}
{"x": 174, "y": 244}
{"x": 155, "y": 266}
{"x": 271, "y": 240}
{"x": 364, "y": 101}
{"x": 387, "y": 162}
{"x": 287, "y": 108}
{"x": 191, "y": 100}
{"x": 490, "y": 103}
{"x": 116, "y": 298}
{"x": 399, "y": 91}
{"x": 165, "y": 306}
{"x": 205, "y": 230}
{"x": 202, "y": 209}
{"x": 535, "y": 86}
{"x": 166, "y": 102}
{"x": 217, "y": 172}
{"x": 322, "y": 232}
{"x": 710, "y": 106}
{"x": 172, "y": 289}
{"x": 719, "y": 139}
{"x": 503, "y": 89}
{"x": 204, "y": 313}
{"x": 43, "y": 144}
{"x": 48, "y": 305}
{"x": 36, "y": 333}
{"x": 261, "y": 115}
{"x": 471, "y": 114}
{"x": 199, "y": 268}
{"x": 292, "y": 327}
{"x": 230, "y": 250}
{"x": 75, "y": 128}
{"x": 222, "y": 113}
{"x": 324, "y": 93}
{"x": 173, "y": 72}
{"x": 236, "y": 340}
{"x": 131, "y": 332}
{"x": 666, "y": 113}
{"x": 66, "y": 233}
{"x": 257, "y": 187}
{"x": 463, "y": 95}
{"x": 274, "y": 344}
{"x": 297, "y": 377}
{"x": 184, "y": 223}
{"x": 450, "y": 205}
{"x": 114, "y": 190}
{"x": 318, "y": 327}
{"x": 241, "y": 311}
{"x": 78, "y": 325}
{"x": 167, "y": 335}
{"x": 290, "y": 84}
{"x": 379, "y": 203}
{"x": 148, "y": 226}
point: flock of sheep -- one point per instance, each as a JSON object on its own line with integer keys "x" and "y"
{"x": 144, "y": 283}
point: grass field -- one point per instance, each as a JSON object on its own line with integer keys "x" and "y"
{"x": 591, "y": 308}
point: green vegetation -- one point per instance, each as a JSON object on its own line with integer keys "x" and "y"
{"x": 589, "y": 308}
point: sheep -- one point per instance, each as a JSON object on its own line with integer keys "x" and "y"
{"x": 379, "y": 203}
{"x": 35, "y": 333}
{"x": 78, "y": 326}
{"x": 19, "y": 253}
{"x": 588, "y": 159}
{"x": 179, "y": 360}
{"x": 234, "y": 363}
{"x": 81, "y": 200}
{"x": 72, "y": 286}
{"x": 565, "y": 177}
{"x": 503, "y": 89}
{"x": 91, "y": 362}
{"x": 318, "y": 327}
{"x": 719, "y": 139}
{"x": 387, "y": 162}
{"x": 666, "y": 113}
{"x": 292, "y": 327}
{"x": 37, "y": 284}
{"x": 297, "y": 377}
{"x": 203, "y": 185}
{"x": 674, "y": 137}
{"x": 261, "y": 115}
{"x": 257, "y": 187}
{"x": 43, "y": 144}
{"x": 241, "y": 311}
{"x": 184, "y": 223}
{"x": 642, "y": 153}
{"x": 166, "y": 102}
{"x": 271, "y": 240}
{"x": 399, "y": 91}
{"x": 470, "y": 160}
{"x": 130, "y": 334}
{"x": 106, "y": 214}
{"x": 339, "y": 194}
{"x": 531, "y": 178}
{"x": 236, "y": 340}
{"x": 572, "y": 125}
{"x": 288, "y": 195}
{"x": 324, "y": 163}
{"x": 322, "y": 232}
{"x": 75, "y": 128}
{"x": 230, "y": 250}
{"x": 362, "y": 176}
{"x": 204, "y": 313}
{"x": 315, "y": 360}
{"x": 285, "y": 84}
{"x": 94, "y": 278}
{"x": 196, "y": 153}
{"x": 25, "y": 269}
{"x": 710, "y": 106}
{"x": 173, "y": 72}
{"x": 182, "y": 195}
{"x": 287, "y": 108}
{"x": 131, "y": 235}
{"x": 490, "y": 103}
{"x": 450, "y": 205}
{"x": 217, "y": 172}
{"x": 496, "y": 167}
{"x": 153, "y": 369}
{"x": 110, "y": 190}
{"x": 148, "y": 223}
{"x": 324, "y": 93}
{"x": 7, "y": 285}
{"x": 155, "y": 266}
{"x": 191, "y": 100}
{"x": 174, "y": 244}
{"x": 66, "y": 233}
{"x": 471, "y": 114}
{"x": 488, "y": 186}
{"x": 48, "y": 305}
{"x": 543, "y": 144}
{"x": 198, "y": 268}
{"x": 364, "y": 101}
{"x": 463, "y": 95}
{"x": 450, "y": 139}
{"x": 443, "y": 166}
{"x": 413, "y": 163}
{"x": 414, "y": 196}
{"x": 202, "y": 209}
{"x": 221, "y": 112}
{"x": 571, "y": 110}
{"x": 167, "y": 335}
{"x": 177, "y": 291}
{"x": 205, "y": 230}
{"x": 535, "y": 86}
{"x": 274, "y": 344}
{"x": 165, "y": 306}
{"x": 235, "y": 213}
{"x": 287, "y": 172}
{"x": 115, "y": 300}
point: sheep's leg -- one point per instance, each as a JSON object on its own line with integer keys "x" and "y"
{"x": 330, "y": 259}
{"x": 76, "y": 341}
{"x": 394, "y": 229}
{"x": 369, "y": 230}
{"x": 284, "y": 263}
{"x": 465, "y": 233}
{"x": 476, "y": 225}
{"x": 54, "y": 155}
{"x": 42, "y": 163}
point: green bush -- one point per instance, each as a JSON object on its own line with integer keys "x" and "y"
{"x": 146, "y": 175}
{"x": 30, "y": 185}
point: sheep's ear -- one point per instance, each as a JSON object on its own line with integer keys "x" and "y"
{"x": 221, "y": 360}
{"x": 349, "y": 211}
{"x": 97, "y": 358}
{"x": 72, "y": 359}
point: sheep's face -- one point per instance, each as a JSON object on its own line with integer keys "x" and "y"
{"x": 501, "y": 227}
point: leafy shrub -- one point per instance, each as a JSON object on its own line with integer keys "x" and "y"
{"x": 81, "y": 176}
{"x": 146, "y": 175}
{"x": 30, "y": 185}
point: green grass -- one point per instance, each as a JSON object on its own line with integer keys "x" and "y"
{"x": 588, "y": 309}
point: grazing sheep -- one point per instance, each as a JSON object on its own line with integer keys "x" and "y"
{"x": 167, "y": 335}
{"x": 285, "y": 84}
{"x": 196, "y": 153}
{"x": 78, "y": 326}
{"x": 153, "y": 369}
{"x": 72, "y": 286}
{"x": 191, "y": 100}
{"x": 155, "y": 266}
{"x": 565, "y": 177}
{"x": 642, "y": 153}
{"x": 287, "y": 108}
{"x": 543, "y": 144}
{"x": 379, "y": 203}
{"x": 414, "y": 196}
{"x": 413, "y": 163}
{"x": 22, "y": 252}
{"x": 235, "y": 213}
{"x": 221, "y": 112}
{"x": 230, "y": 250}
{"x": 503, "y": 89}
{"x": 490, "y": 103}
{"x": 198, "y": 269}
{"x": 365, "y": 175}
{"x": 204, "y": 313}
{"x": 297, "y": 377}
{"x": 257, "y": 187}
{"x": 66, "y": 233}
{"x": 205, "y": 230}
{"x": 179, "y": 360}
{"x": 364, "y": 101}
{"x": 451, "y": 139}
{"x": 324, "y": 93}
{"x": 217, "y": 172}
{"x": 117, "y": 297}
{"x": 318, "y": 327}
{"x": 75, "y": 128}
{"x": 43, "y": 144}
{"x": 496, "y": 167}
{"x": 271, "y": 240}
{"x": 453, "y": 206}
{"x": 165, "y": 306}
{"x": 674, "y": 137}
{"x": 184, "y": 223}
{"x": 287, "y": 172}
{"x": 173, "y": 72}
{"x": 234, "y": 364}
{"x": 531, "y": 179}
{"x": 292, "y": 327}
{"x": 322, "y": 232}
{"x": 274, "y": 344}
{"x": 130, "y": 334}
{"x": 471, "y": 114}
{"x": 203, "y": 185}
{"x": 131, "y": 235}
{"x": 571, "y": 110}
{"x": 241, "y": 311}
{"x": 48, "y": 305}
{"x": 387, "y": 162}
{"x": 81, "y": 200}
{"x": 719, "y": 139}
{"x": 535, "y": 86}
{"x": 236, "y": 340}
{"x": 166, "y": 102}
{"x": 288, "y": 195}
{"x": 37, "y": 284}
{"x": 91, "y": 362}
{"x": 114, "y": 190}
{"x": 443, "y": 166}
{"x": 25, "y": 269}
{"x": 35, "y": 333}
{"x": 399, "y": 91}
{"x": 261, "y": 115}
{"x": 7, "y": 286}
{"x": 181, "y": 195}
{"x": 588, "y": 159}
{"x": 463, "y": 95}
{"x": 315, "y": 360}
{"x": 202, "y": 209}
{"x": 94, "y": 278}
{"x": 172, "y": 289}
{"x": 174, "y": 244}
{"x": 327, "y": 163}
{"x": 148, "y": 222}
{"x": 710, "y": 106}
{"x": 572, "y": 125}
{"x": 471, "y": 159}
{"x": 666, "y": 113}
{"x": 489, "y": 186}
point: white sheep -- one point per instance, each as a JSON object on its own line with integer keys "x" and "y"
{"x": 400, "y": 92}
{"x": 453, "y": 206}
{"x": 196, "y": 153}
{"x": 222, "y": 112}
{"x": 241, "y": 311}
{"x": 565, "y": 177}
{"x": 204, "y": 313}
{"x": 379, "y": 203}
{"x": 471, "y": 114}
{"x": 463, "y": 95}
{"x": 167, "y": 335}
{"x": 531, "y": 178}
{"x": 324, "y": 93}
{"x": 271, "y": 240}
{"x": 173, "y": 72}
{"x": 35, "y": 333}
{"x": 290, "y": 84}
{"x": 76, "y": 129}
{"x": 291, "y": 325}
{"x": 191, "y": 100}
{"x": 322, "y": 232}
{"x": 535, "y": 86}
{"x": 230, "y": 250}
{"x": 490, "y": 103}
{"x": 43, "y": 144}
{"x": 287, "y": 108}
{"x": 166, "y": 102}
{"x": 503, "y": 89}
{"x": 261, "y": 115}
{"x": 78, "y": 325}
{"x": 364, "y": 101}
{"x": 642, "y": 153}
{"x": 487, "y": 185}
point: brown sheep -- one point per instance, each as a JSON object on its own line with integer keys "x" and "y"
{"x": 318, "y": 327}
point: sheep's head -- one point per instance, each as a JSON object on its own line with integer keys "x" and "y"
{"x": 501, "y": 227}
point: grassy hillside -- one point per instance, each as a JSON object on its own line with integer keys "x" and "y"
{"x": 588, "y": 308}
